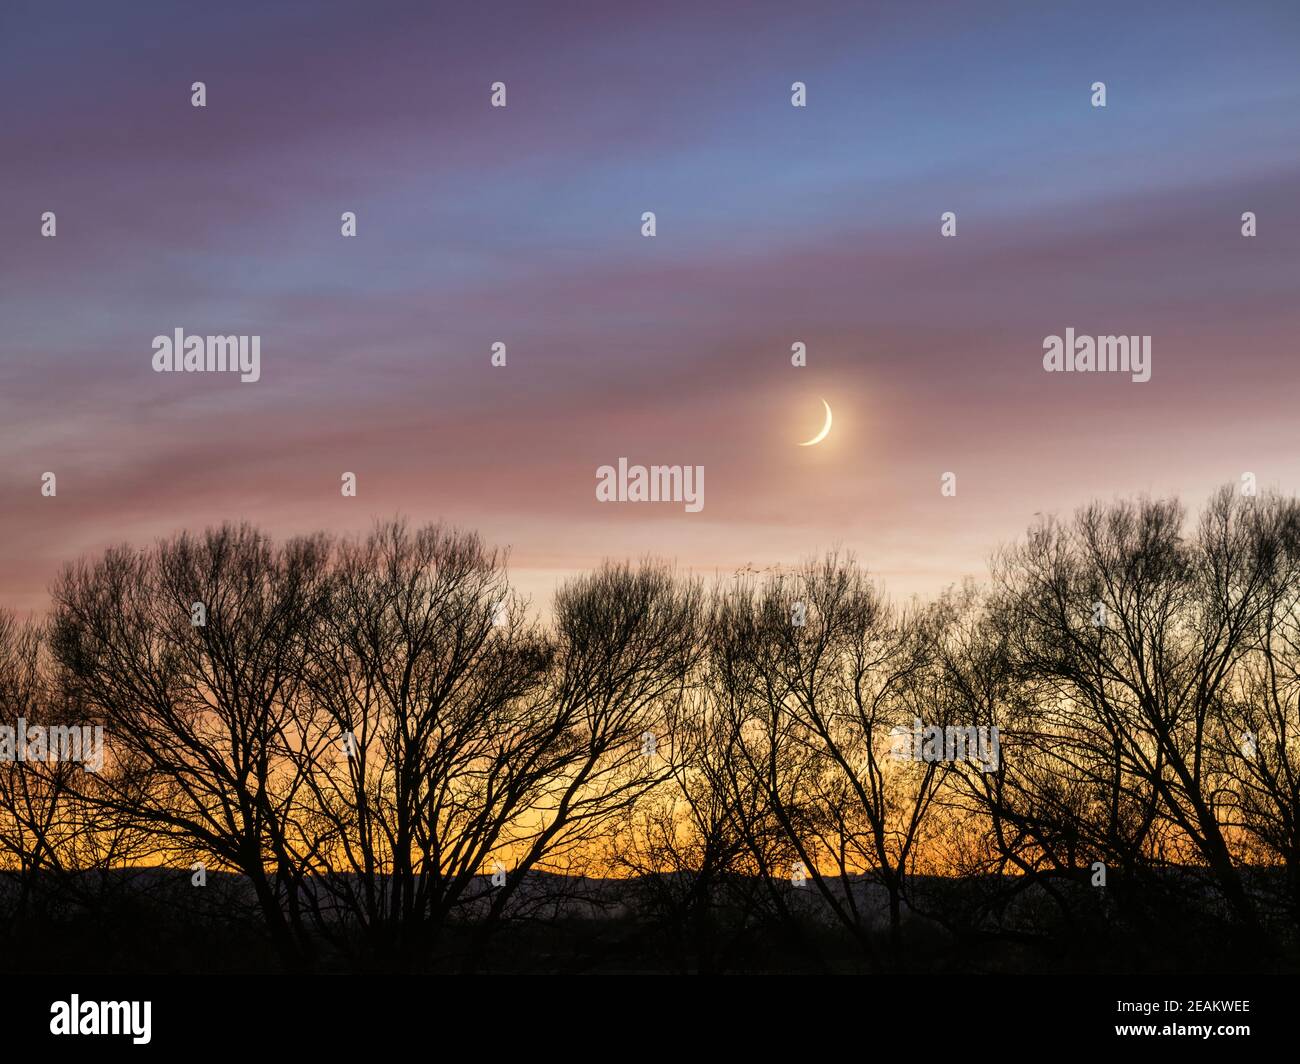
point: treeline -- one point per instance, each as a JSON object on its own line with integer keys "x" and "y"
{"x": 402, "y": 765}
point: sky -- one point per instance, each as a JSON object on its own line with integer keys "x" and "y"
{"x": 775, "y": 224}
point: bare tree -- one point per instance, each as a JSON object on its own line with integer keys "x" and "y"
{"x": 33, "y": 799}
{"x": 59, "y": 841}
{"x": 1126, "y": 637}
{"x": 398, "y": 763}
{"x": 698, "y": 848}
{"x": 626, "y": 640}
{"x": 822, "y": 673}
{"x": 197, "y": 715}
{"x": 420, "y": 714}
{"x": 1258, "y": 735}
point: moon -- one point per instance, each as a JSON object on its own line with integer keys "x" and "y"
{"x": 825, "y": 428}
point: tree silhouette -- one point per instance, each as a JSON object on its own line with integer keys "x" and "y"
{"x": 398, "y": 766}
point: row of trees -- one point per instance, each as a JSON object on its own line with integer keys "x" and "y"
{"x": 385, "y": 746}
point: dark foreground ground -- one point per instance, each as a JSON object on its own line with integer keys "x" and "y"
{"x": 155, "y": 921}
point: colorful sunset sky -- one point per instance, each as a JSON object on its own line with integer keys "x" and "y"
{"x": 775, "y": 224}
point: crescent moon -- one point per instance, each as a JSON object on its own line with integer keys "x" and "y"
{"x": 825, "y": 428}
